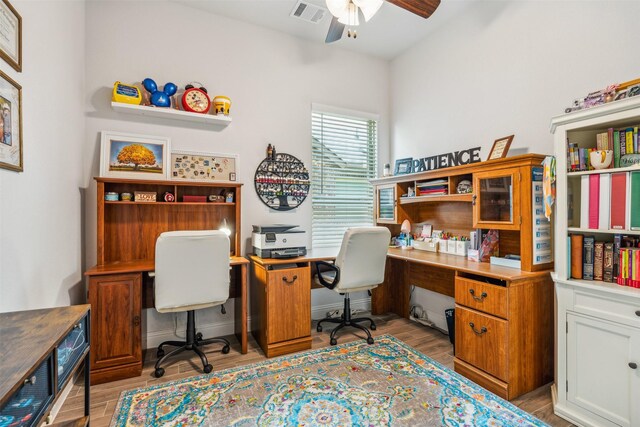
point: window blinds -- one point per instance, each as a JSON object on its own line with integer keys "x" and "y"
{"x": 343, "y": 161}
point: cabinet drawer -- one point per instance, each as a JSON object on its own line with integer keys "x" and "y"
{"x": 481, "y": 340}
{"x": 31, "y": 399}
{"x": 71, "y": 349}
{"x": 485, "y": 297}
{"x": 608, "y": 307}
{"x": 288, "y": 304}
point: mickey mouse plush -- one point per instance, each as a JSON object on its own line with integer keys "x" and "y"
{"x": 160, "y": 98}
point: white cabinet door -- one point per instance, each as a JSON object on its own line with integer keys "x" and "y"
{"x": 600, "y": 356}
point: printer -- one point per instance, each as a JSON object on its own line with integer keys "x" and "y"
{"x": 278, "y": 241}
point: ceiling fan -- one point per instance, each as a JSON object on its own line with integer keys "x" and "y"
{"x": 347, "y": 13}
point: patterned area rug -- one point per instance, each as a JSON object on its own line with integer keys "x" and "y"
{"x": 355, "y": 384}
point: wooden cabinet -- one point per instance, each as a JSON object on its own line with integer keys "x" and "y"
{"x": 601, "y": 379}
{"x": 387, "y": 206}
{"x": 116, "y": 326}
{"x": 504, "y": 333}
{"x": 281, "y": 306}
{"x": 496, "y": 201}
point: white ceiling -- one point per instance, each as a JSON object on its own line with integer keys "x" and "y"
{"x": 390, "y": 32}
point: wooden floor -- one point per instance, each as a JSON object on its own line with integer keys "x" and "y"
{"x": 434, "y": 344}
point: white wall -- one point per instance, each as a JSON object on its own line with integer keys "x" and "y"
{"x": 40, "y": 208}
{"x": 271, "y": 78}
{"x": 502, "y": 68}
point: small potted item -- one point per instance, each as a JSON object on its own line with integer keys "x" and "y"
{"x": 601, "y": 159}
{"x": 195, "y": 99}
{"x": 222, "y": 106}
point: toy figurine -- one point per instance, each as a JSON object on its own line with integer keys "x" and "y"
{"x": 160, "y": 98}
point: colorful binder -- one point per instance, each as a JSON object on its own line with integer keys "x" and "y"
{"x": 618, "y": 200}
{"x": 605, "y": 201}
{"x": 634, "y": 204}
{"x": 584, "y": 201}
{"x": 594, "y": 201}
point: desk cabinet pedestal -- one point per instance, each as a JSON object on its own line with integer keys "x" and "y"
{"x": 281, "y": 308}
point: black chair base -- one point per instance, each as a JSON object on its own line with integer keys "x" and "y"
{"x": 194, "y": 342}
{"x": 347, "y": 320}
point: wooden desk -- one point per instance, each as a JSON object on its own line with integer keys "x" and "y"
{"x": 40, "y": 353}
{"x": 504, "y": 316}
{"x": 117, "y": 293}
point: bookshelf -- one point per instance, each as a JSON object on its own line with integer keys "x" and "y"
{"x": 597, "y": 379}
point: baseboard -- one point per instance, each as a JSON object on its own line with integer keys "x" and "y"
{"x": 155, "y": 338}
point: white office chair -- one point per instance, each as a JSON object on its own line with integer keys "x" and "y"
{"x": 191, "y": 273}
{"x": 359, "y": 267}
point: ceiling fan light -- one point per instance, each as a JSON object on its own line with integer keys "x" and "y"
{"x": 368, "y": 7}
{"x": 351, "y": 18}
{"x": 338, "y": 8}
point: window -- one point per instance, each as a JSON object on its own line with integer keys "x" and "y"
{"x": 344, "y": 159}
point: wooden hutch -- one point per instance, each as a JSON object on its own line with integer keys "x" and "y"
{"x": 504, "y": 316}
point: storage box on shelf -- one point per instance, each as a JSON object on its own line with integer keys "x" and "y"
{"x": 598, "y": 322}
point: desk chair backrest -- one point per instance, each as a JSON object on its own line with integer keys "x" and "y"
{"x": 362, "y": 258}
{"x": 192, "y": 270}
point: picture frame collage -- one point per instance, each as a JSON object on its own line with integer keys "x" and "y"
{"x": 11, "y": 141}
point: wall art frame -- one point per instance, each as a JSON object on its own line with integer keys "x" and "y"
{"x": 500, "y": 148}
{"x": 132, "y": 156}
{"x": 11, "y": 141}
{"x": 199, "y": 166}
{"x": 11, "y": 31}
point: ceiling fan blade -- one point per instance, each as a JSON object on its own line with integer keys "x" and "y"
{"x": 335, "y": 31}
{"x": 423, "y": 8}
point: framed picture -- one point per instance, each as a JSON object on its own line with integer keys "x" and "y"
{"x": 10, "y": 124}
{"x": 500, "y": 148}
{"x": 10, "y": 35}
{"x": 403, "y": 166}
{"x": 204, "y": 167}
{"x": 134, "y": 156}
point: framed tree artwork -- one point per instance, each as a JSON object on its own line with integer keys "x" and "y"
{"x": 134, "y": 156}
{"x": 10, "y": 124}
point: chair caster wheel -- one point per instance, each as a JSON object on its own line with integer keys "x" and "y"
{"x": 160, "y": 353}
{"x": 225, "y": 350}
{"x": 319, "y": 328}
{"x": 208, "y": 368}
{"x": 198, "y": 336}
{"x": 159, "y": 372}
{"x": 333, "y": 341}
{"x": 369, "y": 340}
{"x": 373, "y": 326}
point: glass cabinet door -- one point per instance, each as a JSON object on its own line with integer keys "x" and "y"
{"x": 494, "y": 202}
{"x": 387, "y": 204}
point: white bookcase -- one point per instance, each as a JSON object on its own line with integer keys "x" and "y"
{"x": 597, "y": 368}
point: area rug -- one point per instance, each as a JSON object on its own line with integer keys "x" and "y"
{"x": 355, "y": 384}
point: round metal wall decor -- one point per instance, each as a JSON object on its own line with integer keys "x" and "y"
{"x": 282, "y": 182}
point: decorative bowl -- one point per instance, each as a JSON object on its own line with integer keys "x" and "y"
{"x": 601, "y": 159}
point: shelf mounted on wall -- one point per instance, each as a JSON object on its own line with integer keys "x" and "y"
{"x": 282, "y": 182}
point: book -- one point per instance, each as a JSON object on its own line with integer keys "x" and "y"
{"x": 584, "y": 201}
{"x": 607, "y": 263}
{"x": 576, "y": 255}
{"x": 629, "y": 138}
{"x": 616, "y": 149}
{"x": 634, "y": 203}
{"x": 618, "y": 201}
{"x": 598, "y": 261}
{"x": 605, "y": 201}
{"x": 617, "y": 242}
{"x": 594, "y": 201}
{"x": 587, "y": 257}
{"x": 623, "y": 142}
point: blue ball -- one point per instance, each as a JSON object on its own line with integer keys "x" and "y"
{"x": 150, "y": 85}
{"x": 160, "y": 99}
{"x": 170, "y": 89}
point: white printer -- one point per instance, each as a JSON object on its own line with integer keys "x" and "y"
{"x": 278, "y": 241}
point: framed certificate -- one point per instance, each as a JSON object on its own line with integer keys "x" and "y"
{"x": 500, "y": 148}
{"x": 10, "y": 35}
{"x": 10, "y": 124}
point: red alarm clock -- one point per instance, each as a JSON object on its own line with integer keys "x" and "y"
{"x": 195, "y": 99}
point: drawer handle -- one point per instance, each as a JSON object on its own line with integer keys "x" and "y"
{"x": 633, "y": 365}
{"x": 473, "y": 200}
{"x": 136, "y": 321}
{"x": 31, "y": 380}
{"x": 482, "y": 330}
{"x": 480, "y": 298}
{"x": 290, "y": 282}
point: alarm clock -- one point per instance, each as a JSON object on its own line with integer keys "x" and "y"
{"x": 195, "y": 99}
